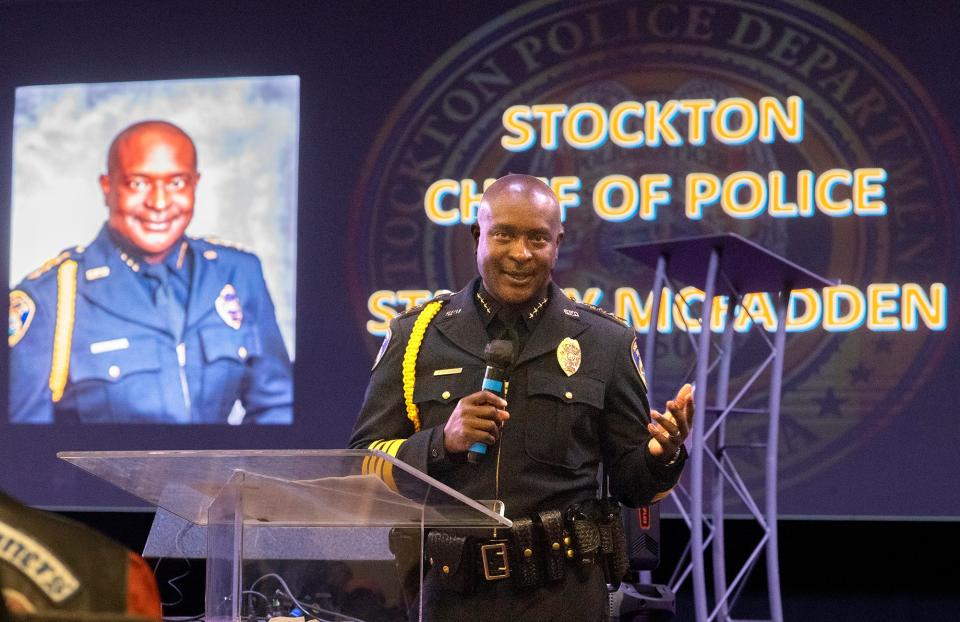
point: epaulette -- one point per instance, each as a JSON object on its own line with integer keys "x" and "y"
{"x": 53, "y": 262}
{"x": 602, "y": 312}
{"x": 227, "y": 244}
{"x": 417, "y": 309}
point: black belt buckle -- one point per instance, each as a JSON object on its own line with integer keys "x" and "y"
{"x": 496, "y": 564}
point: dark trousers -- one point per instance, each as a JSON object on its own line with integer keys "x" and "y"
{"x": 581, "y": 596}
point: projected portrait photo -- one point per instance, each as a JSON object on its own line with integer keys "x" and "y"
{"x": 153, "y": 252}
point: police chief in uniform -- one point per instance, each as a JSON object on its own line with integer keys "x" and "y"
{"x": 146, "y": 324}
{"x": 576, "y": 399}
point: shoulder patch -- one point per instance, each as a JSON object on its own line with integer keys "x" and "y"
{"x": 209, "y": 239}
{"x": 602, "y": 313}
{"x": 22, "y": 310}
{"x": 48, "y": 265}
{"x": 383, "y": 348}
{"x": 417, "y": 309}
{"x": 637, "y": 362}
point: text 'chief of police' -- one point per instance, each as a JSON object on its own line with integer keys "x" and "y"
{"x": 146, "y": 324}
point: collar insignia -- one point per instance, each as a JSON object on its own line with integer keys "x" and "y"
{"x": 537, "y": 308}
{"x": 182, "y": 254}
{"x": 133, "y": 265}
{"x": 483, "y": 302}
{"x": 571, "y": 313}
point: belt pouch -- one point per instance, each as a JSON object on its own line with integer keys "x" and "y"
{"x": 613, "y": 544}
{"x": 528, "y": 573}
{"x": 618, "y": 560}
{"x": 554, "y": 545}
{"x": 451, "y": 560}
{"x": 587, "y": 538}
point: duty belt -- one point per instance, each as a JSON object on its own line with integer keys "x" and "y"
{"x": 537, "y": 550}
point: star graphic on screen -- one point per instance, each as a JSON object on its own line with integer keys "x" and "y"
{"x": 860, "y": 373}
{"x": 883, "y": 345}
{"x": 830, "y": 404}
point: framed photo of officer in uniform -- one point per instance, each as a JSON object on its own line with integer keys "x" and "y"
{"x": 143, "y": 320}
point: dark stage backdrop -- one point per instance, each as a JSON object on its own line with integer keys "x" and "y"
{"x": 827, "y": 135}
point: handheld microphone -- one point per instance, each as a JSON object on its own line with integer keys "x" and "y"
{"x": 499, "y": 355}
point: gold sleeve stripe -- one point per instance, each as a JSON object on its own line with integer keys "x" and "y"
{"x": 394, "y": 446}
{"x": 391, "y": 448}
{"x": 387, "y": 475}
{"x": 367, "y": 467}
{"x": 375, "y": 465}
{"x": 410, "y": 359}
{"x": 63, "y": 333}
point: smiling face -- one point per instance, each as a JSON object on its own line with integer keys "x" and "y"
{"x": 517, "y": 238}
{"x": 150, "y": 186}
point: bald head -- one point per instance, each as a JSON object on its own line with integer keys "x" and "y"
{"x": 144, "y": 135}
{"x": 517, "y": 236}
{"x": 520, "y": 189}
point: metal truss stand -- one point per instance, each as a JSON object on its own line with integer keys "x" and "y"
{"x": 724, "y": 265}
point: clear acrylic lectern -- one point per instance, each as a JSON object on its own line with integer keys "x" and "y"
{"x": 246, "y": 498}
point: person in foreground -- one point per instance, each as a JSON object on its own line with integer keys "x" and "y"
{"x": 576, "y": 400}
{"x": 146, "y": 324}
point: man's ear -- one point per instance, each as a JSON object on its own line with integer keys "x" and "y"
{"x": 475, "y": 230}
{"x": 105, "y": 187}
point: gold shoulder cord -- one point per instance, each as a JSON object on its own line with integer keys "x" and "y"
{"x": 63, "y": 333}
{"x": 410, "y": 359}
{"x": 375, "y": 465}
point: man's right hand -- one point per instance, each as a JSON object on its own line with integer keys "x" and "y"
{"x": 476, "y": 419}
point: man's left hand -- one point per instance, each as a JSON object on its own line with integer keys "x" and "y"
{"x": 669, "y": 430}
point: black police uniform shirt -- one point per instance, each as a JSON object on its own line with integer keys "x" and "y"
{"x": 89, "y": 342}
{"x": 561, "y": 426}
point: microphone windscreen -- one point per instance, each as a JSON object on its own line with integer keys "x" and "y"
{"x": 499, "y": 353}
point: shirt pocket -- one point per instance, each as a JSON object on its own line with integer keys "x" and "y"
{"x": 437, "y": 396}
{"x": 226, "y": 353}
{"x": 121, "y": 384}
{"x": 561, "y": 418}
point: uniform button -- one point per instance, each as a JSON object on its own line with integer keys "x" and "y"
{"x": 242, "y": 352}
{"x": 527, "y": 553}
{"x": 445, "y": 395}
{"x": 555, "y": 546}
{"x": 566, "y": 540}
{"x": 570, "y": 553}
{"x": 446, "y": 569}
{"x": 568, "y": 395}
{"x": 113, "y": 371}
{"x": 210, "y": 254}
